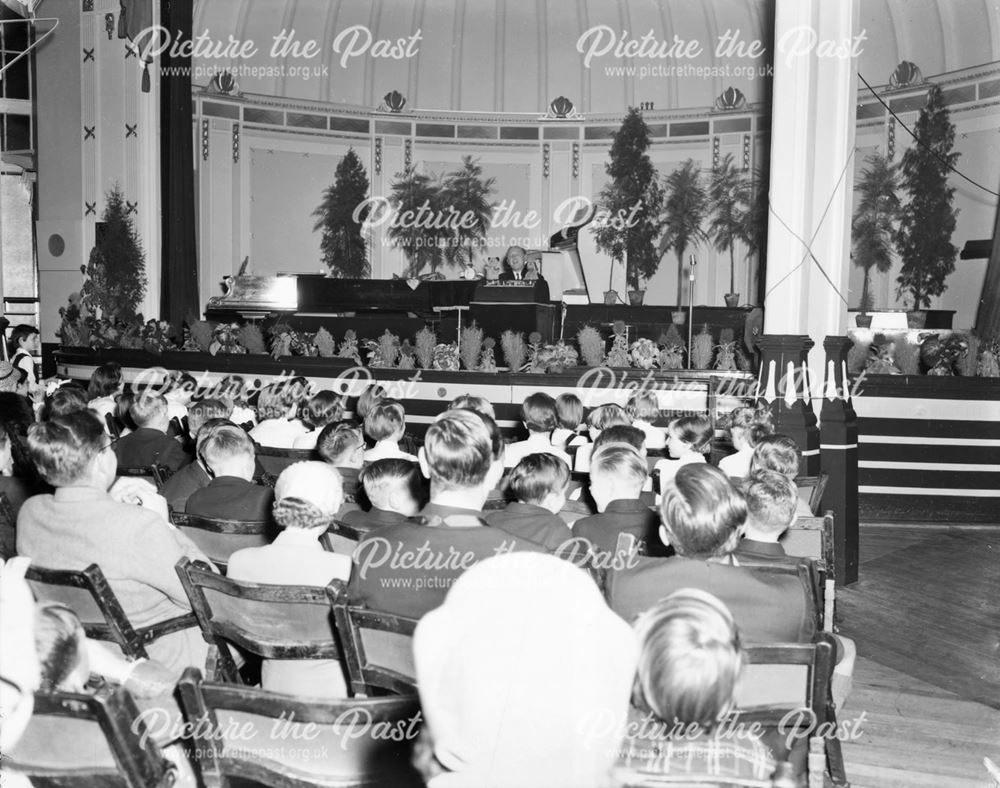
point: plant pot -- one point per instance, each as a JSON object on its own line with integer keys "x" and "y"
{"x": 863, "y": 320}
{"x": 610, "y": 297}
{"x": 678, "y": 317}
{"x": 635, "y": 297}
{"x": 732, "y": 300}
{"x": 917, "y": 318}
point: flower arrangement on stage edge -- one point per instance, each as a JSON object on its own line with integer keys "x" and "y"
{"x": 514, "y": 350}
{"x": 384, "y": 351}
{"x": 325, "y": 343}
{"x": 349, "y": 347}
{"x": 487, "y": 361}
{"x": 225, "y": 339}
{"x": 672, "y": 349}
{"x": 644, "y": 353}
{"x": 472, "y": 346}
{"x": 591, "y": 345}
{"x": 618, "y": 355}
{"x": 446, "y": 357}
{"x": 426, "y": 341}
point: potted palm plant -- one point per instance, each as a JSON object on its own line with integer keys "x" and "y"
{"x": 632, "y": 199}
{"x": 685, "y": 204}
{"x": 873, "y": 225}
{"x": 729, "y": 197}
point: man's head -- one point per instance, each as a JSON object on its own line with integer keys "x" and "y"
{"x": 73, "y": 450}
{"x": 228, "y": 451}
{"x": 458, "y": 455}
{"x": 540, "y": 479}
{"x": 307, "y": 495}
{"x": 386, "y": 421}
{"x": 205, "y": 410}
{"x": 771, "y": 503}
{"x": 150, "y": 410}
{"x": 617, "y": 472}
{"x": 539, "y": 413}
{"x": 342, "y": 445}
{"x": 516, "y": 258}
{"x": 702, "y": 512}
{"x": 690, "y": 660}
{"x": 393, "y": 485}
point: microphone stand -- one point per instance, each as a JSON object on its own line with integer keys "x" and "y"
{"x": 691, "y": 308}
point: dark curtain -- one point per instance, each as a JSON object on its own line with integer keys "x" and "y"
{"x": 178, "y": 257}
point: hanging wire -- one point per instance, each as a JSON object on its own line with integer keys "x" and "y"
{"x": 922, "y": 143}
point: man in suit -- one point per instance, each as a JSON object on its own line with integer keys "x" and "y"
{"x": 519, "y": 265}
{"x": 150, "y": 444}
{"x": 408, "y": 568}
{"x": 702, "y": 516}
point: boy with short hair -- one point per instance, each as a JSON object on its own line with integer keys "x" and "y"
{"x": 385, "y": 424}
{"x": 149, "y": 444}
{"x": 538, "y": 484}
{"x": 393, "y": 488}
{"x": 23, "y": 346}
{"x": 228, "y": 454}
{"x": 539, "y": 415}
{"x": 644, "y": 408}
{"x": 194, "y": 476}
{"x": 449, "y": 534}
{"x": 617, "y": 475}
{"x": 771, "y": 503}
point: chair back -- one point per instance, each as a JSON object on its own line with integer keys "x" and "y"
{"x": 248, "y": 734}
{"x": 274, "y": 460}
{"x": 378, "y": 647}
{"x": 8, "y": 525}
{"x": 100, "y": 740}
{"x": 786, "y": 690}
{"x": 811, "y": 489}
{"x": 341, "y": 538}
{"x": 218, "y": 538}
{"x": 271, "y": 621}
{"x": 812, "y": 537}
{"x": 154, "y": 474}
{"x": 88, "y": 594}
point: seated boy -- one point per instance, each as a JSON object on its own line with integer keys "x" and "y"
{"x": 702, "y": 514}
{"x": 780, "y": 453}
{"x": 538, "y": 484}
{"x": 393, "y": 488}
{"x": 179, "y": 395}
{"x": 539, "y": 415}
{"x": 771, "y": 503}
{"x": 386, "y": 424}
{"x": 624, "y": 522}
{"x": 149, "y": 444}
{"x": 689, "y": 671}
{"x": 307, "y": 494}
{"x": 598, "y": 420}
{"x": 408, "y": 568}
{"x": 228, "y": 454}
{"x": 343, "y": 446}
{"x": 194, "y": 476}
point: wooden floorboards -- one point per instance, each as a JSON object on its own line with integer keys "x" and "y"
{"x": 924, "y": 616}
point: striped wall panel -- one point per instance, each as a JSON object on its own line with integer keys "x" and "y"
{"x": 929, "y": 449}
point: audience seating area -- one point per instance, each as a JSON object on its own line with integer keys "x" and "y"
{"x": 254, "y": 631}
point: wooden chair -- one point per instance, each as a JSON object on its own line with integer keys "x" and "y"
{"x": 88, "y": 594}
{"x": 241, "y": 735}
{"x": 270, "y": 621}
{"x": 808, "y": 576}
{"x": 786, "y": 690}
{"x": 341, "y": 538}
{"x": 155, "y": 474}
{"x": 378, "y": 647}
{"x": 812, "y": 537}
{"x": 811, "y": 489}
{"x": 87, "y": 740}
{"x": 218, "y": 538}
{"x": 274, "y": 460}
{"x": 8, "y": 525}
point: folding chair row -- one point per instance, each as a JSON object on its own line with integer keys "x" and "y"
{"x": 88, "y": 594}
{"x": 300, "y": 622}
{"x": 219, "y": 538}
{"x": 155, "y": 474}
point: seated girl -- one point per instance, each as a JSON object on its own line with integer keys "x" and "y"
{"x": 747, "y": 426}
{"x": 689, "y": 439}
{"x": 644, "y": 409}
{"x": 569, "y": 415}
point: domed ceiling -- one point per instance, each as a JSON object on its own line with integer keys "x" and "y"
{"x": 515, "y": 56}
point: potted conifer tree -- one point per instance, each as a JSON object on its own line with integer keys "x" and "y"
{"x": 343, "y": 248}
{"x": 729, "y": 196}
{"x": 873, "y": 225}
